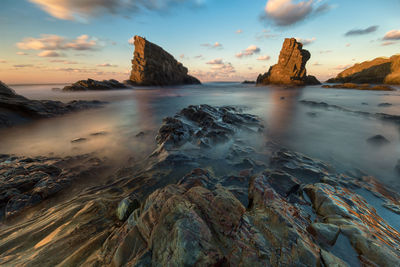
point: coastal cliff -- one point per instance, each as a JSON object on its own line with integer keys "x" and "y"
{"x": 291, "y": 67}
{"x": 152, "y": 65}
{"x": 377, "y": 71}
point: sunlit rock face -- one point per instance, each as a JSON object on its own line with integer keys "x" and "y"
{"x": 379, "y": 70}
{"x": 152, "y": 65}
{"x": 291, "y": 67}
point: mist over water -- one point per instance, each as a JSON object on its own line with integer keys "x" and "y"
{"x": 125, "y": 128}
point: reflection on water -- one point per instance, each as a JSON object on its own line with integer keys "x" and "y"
{"x": 331, "y": 135}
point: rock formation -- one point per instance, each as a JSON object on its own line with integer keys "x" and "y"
{"x": 152, "y": 65}
{"x": 291, "y": 67}
{"x": 378, "y": 71}
{"x": 364, "y": 86}
{"x": 89, "y": 84}
{"x": 16, "y": 109}
{"x": 190, "y": 206}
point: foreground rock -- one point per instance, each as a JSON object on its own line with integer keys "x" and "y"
{"x": 293, "y": 211}
{"x": 291, "y": 67}
{"x": 378, "y": 71}
{"x": 25, "y": 182}
{"x": 89, "y": 85}
{"x": 16, "y": 109}
{"x": 152, "y": 65}
{"x": 366, "y": 87}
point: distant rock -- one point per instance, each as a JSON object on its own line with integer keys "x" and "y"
{"x": 16, "y": 109}
{"x": 248, "y": 82}
{"x": 291, "y": 67}
{"x": 383, "y": 105}
{"x": 378, "y": 140}
{"x": 378, "y": 71}
{"x": 89, "y": 84}
{"x": 152, "y": 65}
{"x": 364, "y": 86}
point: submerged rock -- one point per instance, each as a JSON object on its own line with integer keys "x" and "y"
{"x": 378, "y": 71}
{"x": 152, "y": 65}
{"x": 16, "y": 109}
{"x": 378, "y": 140}
{"x": 291, "y": 67}
{"x": 89, "y": 85}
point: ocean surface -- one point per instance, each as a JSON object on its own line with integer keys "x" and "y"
{"x": 334, "y": 135}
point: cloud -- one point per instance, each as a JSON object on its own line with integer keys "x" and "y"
{"x": 131, "y": 41}
{"x": 21, "y": 53}
{"x": 86, "y": 9}
{"x": 289, "y": 12}
{"x": 368, "y": 30}
{"x": 3, "y": 61}
{"x": 23, "y": 65}
{"x": 249, "y": 51}
{"x": 215, "y": 45}
{"x": 343, "y": 67}
{"x": 348, "y": 45}
{"x": 306, "y": 41}
{"x": 392, "y": 35}
{"x": 63, "y": 61}
{"x": 265, "y": 34}
{"x": 48, "y": 53}
{"x": 325, "y": 51}
{"x": 55, "y": 42}
{"x": 388, "y": 43}
{"x": 264, "y": 58}
{"x": 182, "y": 56}
{"x": 316, "y": 64}
{"x": 217, "y": 61}
{"x": 106, "y": 65}
{"x": 239, "y": 31}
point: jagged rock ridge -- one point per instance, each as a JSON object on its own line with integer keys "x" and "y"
{"x": 380, "y": 70}
{"x": 291, "y": 67}
{"x": 152, "y": 65}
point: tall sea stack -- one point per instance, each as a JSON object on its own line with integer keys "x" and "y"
{"x": 291, "y": 67}
{"x": 152, "y": 65}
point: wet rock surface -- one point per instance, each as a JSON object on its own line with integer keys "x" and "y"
{"x": 291, "y": 67}
{"x": 187, "y": 205}
{"x": 90, "y": 84}
{"x": 152, "y": 65}
{"x": 16, "y": 109}
{"x": 378, "y": 140}
{"x": 25, "y": 182}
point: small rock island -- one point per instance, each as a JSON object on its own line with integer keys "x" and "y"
{"x": 153, "y": 66}
{"x": 291, "y": 67}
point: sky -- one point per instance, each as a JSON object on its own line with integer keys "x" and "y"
{"x": 62, "y": 41}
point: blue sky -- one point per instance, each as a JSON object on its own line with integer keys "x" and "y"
{"x": 66, "y": 40}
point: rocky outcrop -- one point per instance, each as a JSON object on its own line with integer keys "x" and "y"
{"x": 89, "y": 84}
{"x": 16, "y": 109}
{"x": 288, "y": 210}
{"x": 152, "y": 65}
{"x": 354, "y": 86}
{"x": 25, "y": 182}
{"x": 291, "y": 67}
{"x": 377, "y": 71}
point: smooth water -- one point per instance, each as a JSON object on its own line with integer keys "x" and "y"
{"x": 335, "y": 136}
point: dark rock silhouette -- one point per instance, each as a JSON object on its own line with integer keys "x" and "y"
{"x": 291, "y": 67}
{"x": 89, "y": 84}
{"x": 152, "y": 65}
{"x": 378, "y": 71}
{"x": 16, "y": 109}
